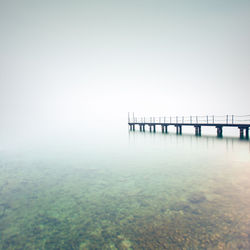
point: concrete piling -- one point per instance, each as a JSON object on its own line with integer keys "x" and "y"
{"x": 219, "y": 131}
{"x": 166, "y": 129}
{"x": 242, "y": 129}
{"x": 197, "y": 130}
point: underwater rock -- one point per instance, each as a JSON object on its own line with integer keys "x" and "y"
{"x": 84, "y": 245}
{"x": 2, "y": 209}
{"x": 180, "y": 206}
{"x": 125, "y": 244}
{"x": 163, "y": 210}
{"x": 47, "y": 220}
{"x": 196, "y": 198}
{"x": 196, "y": 212}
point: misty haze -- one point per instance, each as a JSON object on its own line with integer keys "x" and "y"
{"x": 124, "y": 124}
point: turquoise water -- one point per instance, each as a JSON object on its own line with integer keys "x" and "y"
{"x": 137, "y": 191}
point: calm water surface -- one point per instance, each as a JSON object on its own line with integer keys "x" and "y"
{"x": 137, "y": 191}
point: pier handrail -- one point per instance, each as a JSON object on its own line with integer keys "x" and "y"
{"x": 208, "y": 119}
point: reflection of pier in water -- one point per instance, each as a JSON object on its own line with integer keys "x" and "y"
{"x": 208, "y": 140}
{"x": 241, "y": 122}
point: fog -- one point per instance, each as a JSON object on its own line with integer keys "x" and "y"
{"x": 71, "y": 68}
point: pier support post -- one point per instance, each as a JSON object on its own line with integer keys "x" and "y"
{"x": 154, "y": 129}
{"x": 166, "y": 129}
{"x": 219, "y": 131}
{"x": 140, "y": 128}
{"x": 178, "y": 129}
{"x": 133, "y": 127}
{"x": 241, "y": 132}
{"x": 247, "y": 133}
{"x": 197, "y": 130}
{"x": 150, "y": 128}
{"x": 242, "y": 129}
{"x": 162, "y": 128}
{"x": 143, "y": 127}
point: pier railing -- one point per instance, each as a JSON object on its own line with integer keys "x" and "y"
{"x": 206, "y": 119}
{"x": 240, "y": 121}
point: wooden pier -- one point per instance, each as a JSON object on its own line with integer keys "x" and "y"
{"x": 241, "y": 122}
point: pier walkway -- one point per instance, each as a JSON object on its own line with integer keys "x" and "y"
{"x": 242, "y": 122}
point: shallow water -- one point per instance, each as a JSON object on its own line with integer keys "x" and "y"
{"x": 139, "y": 191}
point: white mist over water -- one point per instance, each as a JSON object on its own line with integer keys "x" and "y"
{"x": 70, "y": 69}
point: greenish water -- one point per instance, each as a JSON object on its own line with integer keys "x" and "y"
{"x": 139, "y": 191}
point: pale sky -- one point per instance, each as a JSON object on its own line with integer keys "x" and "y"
{"x": 65, "y": 61}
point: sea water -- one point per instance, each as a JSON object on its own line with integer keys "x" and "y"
{"x": 136, "y": 190}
